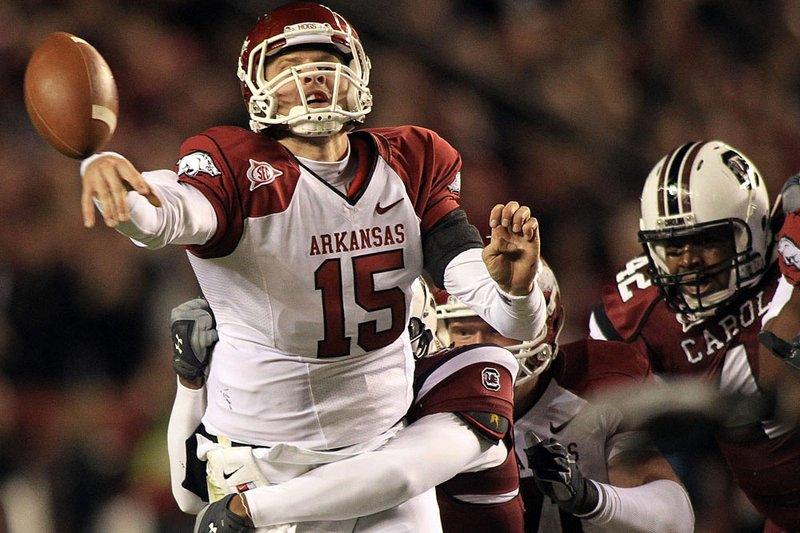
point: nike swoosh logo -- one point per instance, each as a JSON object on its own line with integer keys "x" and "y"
{"x": 382, "y": 210}
{"x": 227, "y": 475}
{"x": 554, "y": 429}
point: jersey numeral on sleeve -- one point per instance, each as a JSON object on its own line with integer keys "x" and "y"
{"x": 628, "y": 277}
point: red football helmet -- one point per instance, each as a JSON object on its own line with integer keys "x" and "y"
{"x": 296, "y": 24}
{"x": 535, "y": 355}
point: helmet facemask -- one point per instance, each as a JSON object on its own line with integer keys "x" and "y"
{"x": 704, "y": 194}
{"x": 681, "y": 290}
{"x": 350, "y": 99}
{"x": 422, "y": 324}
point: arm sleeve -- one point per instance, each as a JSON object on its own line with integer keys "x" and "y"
{"x": 185, "y": 217}
{"x": 661, "y": 505}
{"x": 375, "y": 481}
{"x": 515, "y": 317}
{"x": 186, "y": 414}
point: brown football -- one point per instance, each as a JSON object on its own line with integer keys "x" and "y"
{"x": 71, "y": 95}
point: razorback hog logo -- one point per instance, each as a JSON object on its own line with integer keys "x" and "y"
{"x": 789, "y": 252}
{"x": 197, "y": 162}
{"x": 491, "y": 378}
{"x": 261, "y": 173}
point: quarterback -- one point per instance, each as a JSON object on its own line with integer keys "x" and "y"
{"x": 305, "y": 235}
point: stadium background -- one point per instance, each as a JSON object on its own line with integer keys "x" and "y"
{"x": 562, "y": 104}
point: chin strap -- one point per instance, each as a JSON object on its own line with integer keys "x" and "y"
{"x": 788, "y": 352}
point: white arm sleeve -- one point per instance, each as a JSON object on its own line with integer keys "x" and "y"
{"x": 183, "y": 420}
{"x": 405, "y": 467}
{"x": 660, "y": 505}
{"x": 515, "y": 317}
{"x": 185, "y": 216}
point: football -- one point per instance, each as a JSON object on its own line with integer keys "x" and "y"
{"x": 71, "y": 95}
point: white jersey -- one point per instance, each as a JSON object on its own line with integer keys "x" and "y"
{"x": 310, "y": 287}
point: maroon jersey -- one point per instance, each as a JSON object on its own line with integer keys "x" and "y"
{"x": 723, "y": 349}
{"x": 476, "y": 383}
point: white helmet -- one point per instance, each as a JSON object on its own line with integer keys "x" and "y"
{"x": 304, "y": 24}
{"x": 535, "y": 355}
{"x": 700, "y": 187}
{"x": 422, "y": 324}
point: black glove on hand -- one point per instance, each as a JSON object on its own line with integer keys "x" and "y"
{"x": 557, "y": 475}
{"x": 193, "y": 335}
{"x": 218, "y": 518}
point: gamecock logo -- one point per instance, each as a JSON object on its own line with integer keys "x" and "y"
{"x": 491, "y": 379}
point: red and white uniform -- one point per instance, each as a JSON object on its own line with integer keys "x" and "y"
{"x": 291, "y": 273}
{"x": 582, "y": 368}
{"x": 476, "y": 382}
{"x": 723, "y": 349}
{"x": 311, "y": 285}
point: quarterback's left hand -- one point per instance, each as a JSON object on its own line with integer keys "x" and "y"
{"x": 512, "y": 255}
{"x": 557, "y": 476}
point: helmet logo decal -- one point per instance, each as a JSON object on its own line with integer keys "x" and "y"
{"x": 197, "y": 162}
{"x": 740, "y": 169}
{"x": 491, "y": 379}
{"x": 261, "y": 173}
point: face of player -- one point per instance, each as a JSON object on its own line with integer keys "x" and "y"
{"x": 710, "y": 251}
{"x": 474, "y": 330}
{"x": 317, "y": 85}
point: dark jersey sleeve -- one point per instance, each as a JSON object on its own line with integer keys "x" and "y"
{"x": 474, "y": 382}
{"x": 452, "y": 235}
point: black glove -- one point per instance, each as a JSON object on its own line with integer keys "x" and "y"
{"x": 193, "y": 335}
{"x": 218, "y": 518}
{"x": 789, "y": 352}
{"x": 557, "y": 476}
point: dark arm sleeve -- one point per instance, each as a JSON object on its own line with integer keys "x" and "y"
{"x": 449, "y": 237}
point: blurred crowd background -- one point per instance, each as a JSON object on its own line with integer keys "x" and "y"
{"x": 561, "y": 104}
